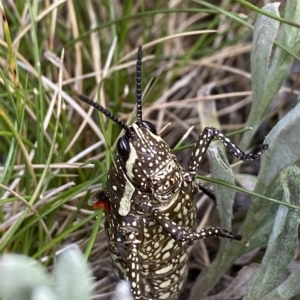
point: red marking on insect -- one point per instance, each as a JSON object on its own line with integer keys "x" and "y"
{"x": 99, "y": 200}
{"x": 101, "y": 203}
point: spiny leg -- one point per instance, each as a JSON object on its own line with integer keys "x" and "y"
{"x": 205, "y": 138}
{"x": 180, "y": 235}
{"x": 210, "y": 193}
{"x": 207, "y": 191}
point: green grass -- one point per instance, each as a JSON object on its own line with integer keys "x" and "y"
{"x": 54, "y": 150}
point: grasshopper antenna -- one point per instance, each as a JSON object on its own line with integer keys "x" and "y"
{"x": 139, "y": 86}
{"x": 105, "y": 112}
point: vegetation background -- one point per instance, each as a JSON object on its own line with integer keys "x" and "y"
{"x": 204, "y": 64}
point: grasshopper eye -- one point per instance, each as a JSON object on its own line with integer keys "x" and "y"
{"x": 149, "y": 126}
{"x": 123, "y": 147}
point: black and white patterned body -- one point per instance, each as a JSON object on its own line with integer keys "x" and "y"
{"x": 151, "y": 216}
{"x": 159, "y": 184}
